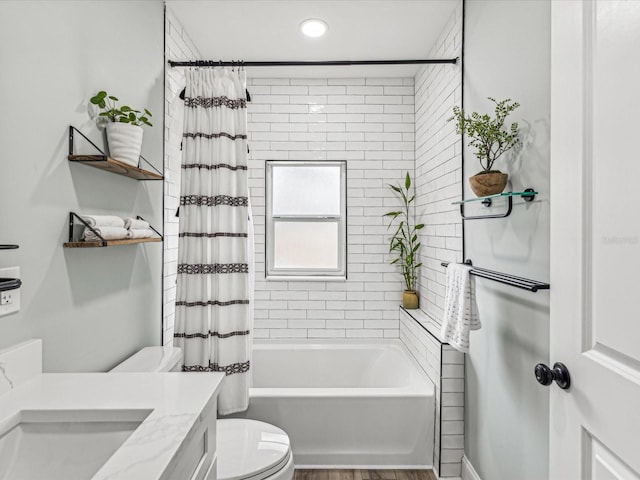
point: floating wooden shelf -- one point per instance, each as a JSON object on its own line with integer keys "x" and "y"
{"x": 114, "y": 166}
{"x": 103, "y": 162}
{"x": 75, "y": 242}
{"x": 110, "y": 243}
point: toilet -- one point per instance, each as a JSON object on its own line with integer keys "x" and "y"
{"x": 246, "y": 449}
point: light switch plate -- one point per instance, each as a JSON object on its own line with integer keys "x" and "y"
{"x": 9, "y": 299}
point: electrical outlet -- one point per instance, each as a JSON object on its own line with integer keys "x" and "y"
{"x": 6, "y": 298}
{"x": 10, "y": 299}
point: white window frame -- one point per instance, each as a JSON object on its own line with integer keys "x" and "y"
{"x": 272, "y": 273}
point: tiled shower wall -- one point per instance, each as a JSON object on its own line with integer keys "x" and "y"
{"x": 445, "y": 367}
{"x": 370, "y": 124}
{"x": 178, "y": 46}
{"x": 438, "y": 166}
{"x": 438, "y": 175}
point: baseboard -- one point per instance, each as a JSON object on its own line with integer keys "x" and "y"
{"x": 468, "y": 472}
{"x": 445, "y": 478}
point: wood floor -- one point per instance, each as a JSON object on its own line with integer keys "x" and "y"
{"x": 364, "y": 475}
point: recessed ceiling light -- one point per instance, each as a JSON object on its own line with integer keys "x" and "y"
{"x": 314, "y": 27}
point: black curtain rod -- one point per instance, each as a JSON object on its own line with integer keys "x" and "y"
{"x": 329, "y": 63}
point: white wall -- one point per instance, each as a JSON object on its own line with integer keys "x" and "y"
{"x": 92, "y": 307}
{"x": 370, "y": 124}
{"x": 178, "y": 46}
{"x": 507, "y": 55}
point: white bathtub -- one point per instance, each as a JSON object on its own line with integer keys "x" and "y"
{"x": 356, "y": 404}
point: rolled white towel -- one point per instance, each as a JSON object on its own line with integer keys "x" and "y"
{"x": 108, "y": 233}
{"x": 103, "y": 221}
{"x": 142, "y": 233}
{"x": 135, "y": 224}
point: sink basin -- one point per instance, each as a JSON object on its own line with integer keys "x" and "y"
{"x": 63, "y": 444}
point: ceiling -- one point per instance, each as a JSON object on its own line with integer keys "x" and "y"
{"x": 263, "y": 30}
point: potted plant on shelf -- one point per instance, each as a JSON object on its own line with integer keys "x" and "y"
{"x": 124, "y": 128}
{"x": 491, "y": 141}
{"x": 404, "y": 243}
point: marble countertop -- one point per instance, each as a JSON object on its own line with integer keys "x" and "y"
{"x": 175, "y": 401}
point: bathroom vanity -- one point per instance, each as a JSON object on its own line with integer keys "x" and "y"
{"x": 99, "y": 426}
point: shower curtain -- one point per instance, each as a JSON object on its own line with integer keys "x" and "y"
{"x": 213, "y": 324}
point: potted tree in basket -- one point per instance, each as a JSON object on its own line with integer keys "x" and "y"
{"x": 124, "y": 130}
{"x": 404, "y": 243}
{"x": 490, "y": 141}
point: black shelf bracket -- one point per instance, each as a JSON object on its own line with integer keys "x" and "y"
{"x": 157, "y": 232}
{"x": 8, "y": 247}
{"x": 73, "y": 129}
{"x": 505, "y": 278}
{"x": 72, "y": 223}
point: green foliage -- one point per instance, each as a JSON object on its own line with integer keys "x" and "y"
{"x": 404, "y": 243}
{"x": 486, "y": 133}
{"x": 123, "y": 114}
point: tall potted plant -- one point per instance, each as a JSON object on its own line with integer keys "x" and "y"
{"x": 491, "y": 141}
{"x": 404, "y": 244}
{"x": 124, "y": 130}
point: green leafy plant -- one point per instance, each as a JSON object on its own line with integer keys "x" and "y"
{"x": 404, "y": 243}
{"x": 486, "y": 133}
{"x": 123, "y": 114}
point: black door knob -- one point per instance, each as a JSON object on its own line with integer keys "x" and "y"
{"x": 560, "y": 373}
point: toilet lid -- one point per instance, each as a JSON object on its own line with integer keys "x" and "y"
{"x": 250, "y": 449}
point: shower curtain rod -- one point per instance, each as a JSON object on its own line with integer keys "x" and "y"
{"x": 324, "y": 63}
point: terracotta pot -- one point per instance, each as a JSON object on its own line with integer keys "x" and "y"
{"x": 488, "y": 183}
{"x": 410, "y": 299}
{"x": 125, "y": 142}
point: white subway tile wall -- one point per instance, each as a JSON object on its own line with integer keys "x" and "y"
{"x": 445, "y": 367}
{"x": 370, "y": 124}
{"x": 438, "y": 170}
{"x": 178, "y": 46}
{"x": 438, "y": 166}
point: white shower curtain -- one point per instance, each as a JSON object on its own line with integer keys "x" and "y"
{"x": 213, "y": 324}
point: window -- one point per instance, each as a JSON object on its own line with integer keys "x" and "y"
{"x": 306, "y": 219}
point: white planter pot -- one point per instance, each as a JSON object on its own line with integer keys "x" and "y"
{"x": 125, "y": 142}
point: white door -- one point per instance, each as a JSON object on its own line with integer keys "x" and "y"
{"x": 595, "y": 239}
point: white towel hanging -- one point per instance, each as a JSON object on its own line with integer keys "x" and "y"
{"x": 460, "y": 307}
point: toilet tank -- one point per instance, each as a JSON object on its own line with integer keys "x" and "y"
{"x": 152, "y": 359}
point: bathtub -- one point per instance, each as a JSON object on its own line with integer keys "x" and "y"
{"x": 356, "y": 405}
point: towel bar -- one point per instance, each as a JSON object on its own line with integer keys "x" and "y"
{"x": 506, "y": 278}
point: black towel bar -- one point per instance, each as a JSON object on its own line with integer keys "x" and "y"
{"x": 505, "y": 278}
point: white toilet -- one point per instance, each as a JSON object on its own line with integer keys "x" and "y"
{"x": 246, "y": 449}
